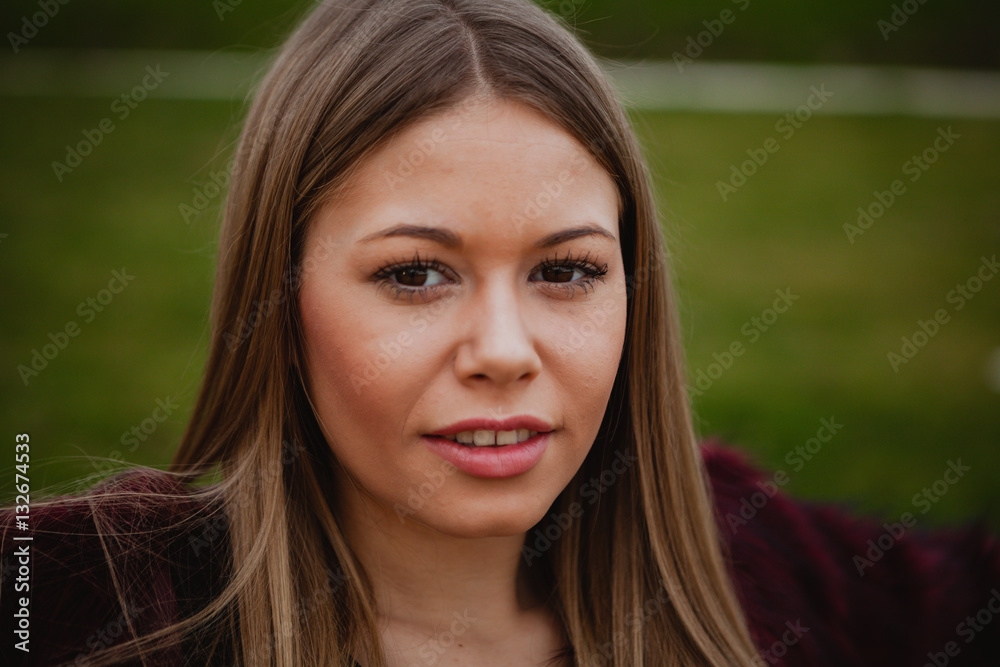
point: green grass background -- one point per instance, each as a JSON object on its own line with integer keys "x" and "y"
{"x": 960, "y": 33}
{"x": 825, "y": 357}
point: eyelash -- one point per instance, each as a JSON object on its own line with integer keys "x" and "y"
{"x": 592, "y": 273}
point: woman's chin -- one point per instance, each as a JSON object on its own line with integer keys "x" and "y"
{"x": 495, "y": 521}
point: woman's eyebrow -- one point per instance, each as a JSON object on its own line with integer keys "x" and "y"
{"x": 445, "y": 237}
{"x": 450, "y": 239}
{"x": 564, "y": 235}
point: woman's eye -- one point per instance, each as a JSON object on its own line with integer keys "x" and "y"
{"x": 421, "y": 280}
{"x": 569, "y": 277}
{"x": 559, "y": 274}
{"x": 413, "y": 276}
{"x": 415, "y": 281}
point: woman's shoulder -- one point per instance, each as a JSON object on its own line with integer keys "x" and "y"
{"x": 822, "y": 584}
{"x": 136, "y": 553}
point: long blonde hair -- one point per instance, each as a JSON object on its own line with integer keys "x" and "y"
{"x": 639, "y": 578}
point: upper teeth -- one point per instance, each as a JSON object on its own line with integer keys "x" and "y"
{"x": 487, "y": 438}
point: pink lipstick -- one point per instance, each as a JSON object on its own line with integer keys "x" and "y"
{"x": 492, "y": 448}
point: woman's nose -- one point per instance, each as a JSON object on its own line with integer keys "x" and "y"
{"x": 499, "y": 343}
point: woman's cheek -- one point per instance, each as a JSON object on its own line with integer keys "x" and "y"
{"x": 399, "y": 353}
{"x": 341, "y": 359}
{"x": 596, "y": 329}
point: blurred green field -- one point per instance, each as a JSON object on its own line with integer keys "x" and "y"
{"x": 961, "y": 33}
{"x": 825, "y": 357}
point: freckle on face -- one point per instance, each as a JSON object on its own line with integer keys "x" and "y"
{"x": 492, "y": 334}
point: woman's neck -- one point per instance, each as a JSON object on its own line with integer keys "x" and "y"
{"x": 438, "y": 593}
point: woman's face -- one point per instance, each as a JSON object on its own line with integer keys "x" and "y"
{"x": 467, "y": 285}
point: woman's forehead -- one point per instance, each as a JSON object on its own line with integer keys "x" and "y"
{"x": 498, "y": 164}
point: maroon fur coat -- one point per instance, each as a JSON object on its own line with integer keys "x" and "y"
{"x": 819, "y": 586}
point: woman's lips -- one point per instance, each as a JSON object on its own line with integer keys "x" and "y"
{"x": 513, "y": 423}
{"x": 490, "y": 461}
{"x": 489, "y": 438}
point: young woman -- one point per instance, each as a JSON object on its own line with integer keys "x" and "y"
{"x": 444, "y": 420}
